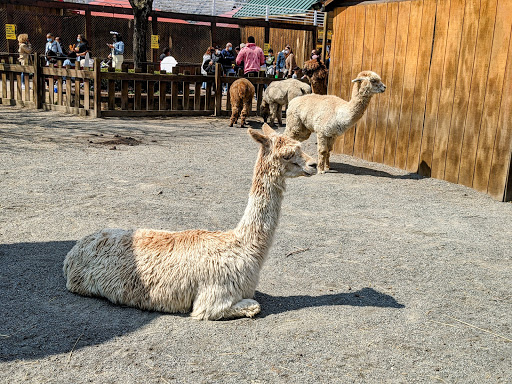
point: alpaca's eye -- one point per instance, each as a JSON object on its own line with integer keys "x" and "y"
{"x": 288, "y": 156}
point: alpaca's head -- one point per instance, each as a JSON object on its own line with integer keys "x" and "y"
{"x": 264, "y": 110}
{"x": 281, "y": 155}
{"x": 368, "y": 83}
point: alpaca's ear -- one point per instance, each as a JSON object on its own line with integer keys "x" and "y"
{"x": 258, "y": 136}
{"x": 267, "y": 130}
{"x": 358, "y": 80}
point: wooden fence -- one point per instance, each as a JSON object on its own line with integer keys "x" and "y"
{"x": 91, "y": 92}
{"x": 448, "y": 67}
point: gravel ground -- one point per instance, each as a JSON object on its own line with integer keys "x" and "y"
{"x": 375, "y": 276}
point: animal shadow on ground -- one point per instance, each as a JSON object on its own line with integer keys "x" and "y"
{"x": 41, "y": 318}
{"x": 366, "y": 297}
{"x": 354, "y": 170}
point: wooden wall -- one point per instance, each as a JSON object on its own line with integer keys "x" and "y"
{"x": 447, "y": 110}
{"x": 300, "y": 41}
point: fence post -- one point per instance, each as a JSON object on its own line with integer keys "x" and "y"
{"x": 218, "y": 89}
{"x": 37, "y": 83}
{"x": 97, "y": 88}
{"x": 324, "y": 38}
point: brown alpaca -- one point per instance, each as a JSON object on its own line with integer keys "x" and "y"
{"x": 241, "y": 93}
{"x": 316, "y": 72}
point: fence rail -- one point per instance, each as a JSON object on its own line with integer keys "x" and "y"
{"x": 95, "y": 93}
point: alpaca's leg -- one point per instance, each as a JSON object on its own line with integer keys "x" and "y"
{"x": 279, "y": 112}
{"x": 244, "y": 308}
{"x": 215, "y": 303}
{"x": 234, "y": 114}
{"x": 325, "y": 145}
{"x": 274, "y": 113}
{"x": 245, "y": 111}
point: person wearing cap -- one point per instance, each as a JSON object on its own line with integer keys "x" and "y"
{"x": 117, "y": 51}
{"x": 252, "y": 56}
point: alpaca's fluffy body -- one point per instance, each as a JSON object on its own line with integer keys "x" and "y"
{"x": 279, "y": 94}
{"x": 316, "y": 72}
{"x": 330, "y": 116}
{"x": 212, "y": 274}
{"x": 241, "y": 94}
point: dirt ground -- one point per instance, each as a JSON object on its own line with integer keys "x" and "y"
{"x": 375, "y": 276}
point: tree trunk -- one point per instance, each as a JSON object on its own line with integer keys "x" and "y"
{"x": 141, "y": 12}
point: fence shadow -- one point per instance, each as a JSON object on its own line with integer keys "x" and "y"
{"x": 355, "y": 170}
{"x": 41, "y": 318}
{"x": 366, "y": 297}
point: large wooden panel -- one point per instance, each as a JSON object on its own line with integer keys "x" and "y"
{"x": 369, "y": 37}
{"x": 335, "y": 79}
{"x": 378, "y": 53}
{"x": 357, "y": 66}
{"x": 398, "y": 79}
{"x": 462, "y": 89}
{"x": 447, "y": 89}
{"x": 499, "y": 52}
{"x": 411, "y": 63}
{"x": 478, "y": 89}
{"x": 434, "y": 87}
{"x": 500, "y": 165}
{"x": 387, "y": 78}
{"x": 421, "y": 85}
{"x": 346, "y": 70}
{"x": 447, "y": 65}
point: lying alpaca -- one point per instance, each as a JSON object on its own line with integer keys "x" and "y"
{"x": 316, "y": 72}
{"x": 280, "y": 93}
{"x": 330, "y": 116}
{"x": 241, "y": 93}
{"x": 214, "y": 274}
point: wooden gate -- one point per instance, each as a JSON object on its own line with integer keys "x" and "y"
{"x": 448, "y": 68}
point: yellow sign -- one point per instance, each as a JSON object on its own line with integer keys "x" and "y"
{"x": 266, "y": 47}
{"x": 321, "y": 34}
{"x": 155, "y": 41}
{"x": 10, "y": 31}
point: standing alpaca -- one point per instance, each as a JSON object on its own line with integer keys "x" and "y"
{"x": 330, "y": 116}
{"x": 316, "y": 72}
{"x": 241, "y": 93}
{"x": 214, "y": 274}
{"x": 280, "y": 93}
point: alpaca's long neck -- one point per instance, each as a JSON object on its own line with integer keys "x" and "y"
{"x": 258, "y": 224}
{"x": 358, "y": 103}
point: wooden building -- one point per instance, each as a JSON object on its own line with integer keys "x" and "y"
{"x": 447, "y": 64}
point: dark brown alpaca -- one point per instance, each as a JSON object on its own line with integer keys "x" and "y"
{"x": 316, "y": 72}
{"x": 241, "y": 94}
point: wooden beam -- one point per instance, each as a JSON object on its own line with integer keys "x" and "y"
{"x": 324, "y": 37}
{"x": 161, "y": 14}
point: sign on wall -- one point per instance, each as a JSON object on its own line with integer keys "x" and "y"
{"x": 10, "y": 31}
{"x": 266, "y": 47}
{"x": 155, "y": 41}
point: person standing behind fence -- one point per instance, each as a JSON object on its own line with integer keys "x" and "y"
{"x": 281, "y": 59}
{"x": 52, "y": 48}
{"x": 25, "y": 49}
{"x": 82, "y": 48}
{"x": 270, "y": 62}
{"x": 206, "y": 62}
{"x": 290, "y": 63}
{"x": 252, "y": 56}
{"x": 227, "y": 59}
{"x": 165, "y": 53}
{"x": 117, "y": 51}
